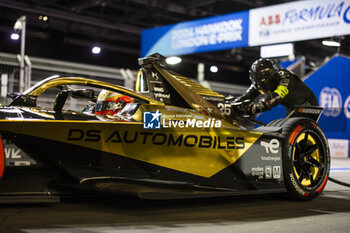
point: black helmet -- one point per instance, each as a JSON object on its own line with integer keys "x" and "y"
{"x": 263, "y": 73}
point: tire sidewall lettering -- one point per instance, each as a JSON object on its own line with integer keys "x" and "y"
{"x": 294, "y": 182}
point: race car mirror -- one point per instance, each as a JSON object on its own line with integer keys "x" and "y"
{"x": 22, "y": 100}
{"x": 13, "y": 95}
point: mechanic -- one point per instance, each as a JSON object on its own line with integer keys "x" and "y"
{"x": 110, "y": 103}
{"x": 280, "y": 86}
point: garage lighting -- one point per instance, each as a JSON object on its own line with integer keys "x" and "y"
{"x": 43, "y": 17}
{"x": 332, "y": 43}
{"x": 14, "y": 36}
{"x": 96, "y": 50}
{"x": 277, "y": 50}
{"x": 214, "y": 69}
{"x": 173, "y": 60}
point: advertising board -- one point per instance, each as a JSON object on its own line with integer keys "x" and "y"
{"x": 209, "y": 34}
{"x": 293, "y": 21}
{"x": 301, "y": 20}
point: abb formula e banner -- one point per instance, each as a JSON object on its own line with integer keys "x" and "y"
{"x": 294, "y": 21}
{"x": 301, "y": 20}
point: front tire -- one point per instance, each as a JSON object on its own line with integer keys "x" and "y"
{"x": 306, "y": 158}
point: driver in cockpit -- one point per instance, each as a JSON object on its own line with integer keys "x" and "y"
{"x": 110, "y": 103}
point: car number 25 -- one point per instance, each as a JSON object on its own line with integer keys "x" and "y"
{"x": 225, "y": 108}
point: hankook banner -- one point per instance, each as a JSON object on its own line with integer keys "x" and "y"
{"x": 294, "y": 21}
{"x": 209, "y": 34}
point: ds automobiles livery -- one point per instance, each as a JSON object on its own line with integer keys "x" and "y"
{"x": 177, "y": 139}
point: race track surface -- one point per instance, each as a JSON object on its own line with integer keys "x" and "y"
{"x": 257, "y": 213}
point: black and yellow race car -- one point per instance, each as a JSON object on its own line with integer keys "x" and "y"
{"x": 176, "y": 139}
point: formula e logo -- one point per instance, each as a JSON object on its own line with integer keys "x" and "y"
{"x": 151, "y": 120}
{"x": 346, "y": 16}
{"x": 271, "y": 146}
{"x": 331, "y": 100}
{"x": 320, "y": 12}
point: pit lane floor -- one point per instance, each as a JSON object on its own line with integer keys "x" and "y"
{"x": 257, "y": 213}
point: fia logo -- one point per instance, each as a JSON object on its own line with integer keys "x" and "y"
{"x": 151, "y": 120}
{"x": 331, "y": 100}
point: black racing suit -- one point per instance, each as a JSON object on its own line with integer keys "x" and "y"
{"x": 289, "y": 91}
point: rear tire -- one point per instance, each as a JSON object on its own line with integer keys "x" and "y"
{"x": 306, "y": 158}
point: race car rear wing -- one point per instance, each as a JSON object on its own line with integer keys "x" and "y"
{"x": 312, "y": 112}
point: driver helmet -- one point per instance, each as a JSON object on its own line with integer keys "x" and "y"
{"x": 263, "y": 73}
{"x": 110, "y": 103}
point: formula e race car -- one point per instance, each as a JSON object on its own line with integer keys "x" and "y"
{"x": 175, "y": 139}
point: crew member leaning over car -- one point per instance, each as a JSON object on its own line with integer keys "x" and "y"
{"x": 279, "y": 86}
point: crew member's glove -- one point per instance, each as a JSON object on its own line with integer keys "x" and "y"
{"x": 250, "y": 109}
{"x": 253, "y": 109}
{"x": 240, "y": 108}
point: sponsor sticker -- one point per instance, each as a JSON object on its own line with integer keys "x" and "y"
{"x": 272, "y": 146}
{"x": 158, "y": 139}
{"x": 151, "y": 120}
{"x": 276, "y": 172}
{"x": 268, "y": 172}
{"x": 15, "y": 156}
{"x": 258, "y": 171}
{"x": 270, "y": 158}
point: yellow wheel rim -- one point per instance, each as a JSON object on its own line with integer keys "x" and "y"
{"x": 308, "y": 159}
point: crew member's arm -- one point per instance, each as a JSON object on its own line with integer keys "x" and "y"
{"x": 250, "y": 94}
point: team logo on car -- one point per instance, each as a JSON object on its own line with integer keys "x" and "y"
{"x": 151, "y": 120}
{"x": 271, "y": 146}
